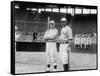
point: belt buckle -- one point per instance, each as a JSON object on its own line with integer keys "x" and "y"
{"x": 63, "y": 42}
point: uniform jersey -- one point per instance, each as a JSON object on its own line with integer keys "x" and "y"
{"x": 66, "y": 33}
{"x": 82, "y": 40}
{"x": 77, "y": 40}
{"x": 51, "y": 34}
{"x": 89, "y": 40}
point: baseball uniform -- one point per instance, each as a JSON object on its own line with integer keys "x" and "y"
{"x": 51, "y": 49}
{"x": 89, "y": 42}
{"x": 82, "y": 42}
{"x": 66, "y": 34}
{"x": 85, "y": 40}
{"x": 77, "y": 41}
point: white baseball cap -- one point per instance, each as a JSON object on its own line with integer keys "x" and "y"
{"x": 52, "y": 21}
{"x": 63, "y": 19}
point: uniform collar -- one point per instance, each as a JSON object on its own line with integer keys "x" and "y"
{"x": 65, "y": 26}
{"x": 52, "y": 29}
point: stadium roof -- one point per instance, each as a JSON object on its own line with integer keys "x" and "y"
{"x": 23, "y": 4}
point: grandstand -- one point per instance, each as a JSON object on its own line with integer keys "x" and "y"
{"x": 30, "y": 22}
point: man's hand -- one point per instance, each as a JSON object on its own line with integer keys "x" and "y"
{"x": 70, "y": 43}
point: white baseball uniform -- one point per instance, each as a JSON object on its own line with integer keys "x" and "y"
{"x": 51, "y": 48}
{"x": 66, "y": 34}
{"x": 82, "y": 41}
{"x": 89, "y": 42}
{"x": 77, "y": 41}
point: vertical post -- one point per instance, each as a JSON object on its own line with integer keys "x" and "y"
{"x": 48, "y": 22}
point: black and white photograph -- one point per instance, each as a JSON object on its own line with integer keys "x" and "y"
{"x": 51, "y": 37}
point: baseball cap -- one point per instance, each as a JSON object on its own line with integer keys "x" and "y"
{"x": 63, "y": 19}
{"x": 52, "y": 21}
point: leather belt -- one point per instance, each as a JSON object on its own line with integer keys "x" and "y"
{"x": 64, "y": 42}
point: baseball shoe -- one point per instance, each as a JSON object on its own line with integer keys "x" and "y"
{"x": 54, "y": 70}
{"x": 48, "y": 70}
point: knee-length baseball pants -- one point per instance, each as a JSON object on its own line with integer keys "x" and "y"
{"x": 51, "y": 52}
{"x": 64, "y": 53}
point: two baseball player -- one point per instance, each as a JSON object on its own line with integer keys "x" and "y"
{"x": 51, "y": 48}
{"x": 86, "y": 41}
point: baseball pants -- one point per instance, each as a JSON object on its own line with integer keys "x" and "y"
{"x": 51, "y": 52}
{"x": 63, "y": 50}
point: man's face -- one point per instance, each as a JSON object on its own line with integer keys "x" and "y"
{"x": 52, "y": 25}
{"x": 63, "y": 23}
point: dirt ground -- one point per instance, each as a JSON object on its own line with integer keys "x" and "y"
{"x": 34, "y": 62}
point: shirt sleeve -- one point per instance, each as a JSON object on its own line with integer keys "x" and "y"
{"x": 70, "y": 34}
{"x": 52, "y": 35}
{"x": 46, "y": 35}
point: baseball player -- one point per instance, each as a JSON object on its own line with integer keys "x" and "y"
{"x": 35, "y": 35}
{"x": 85, "y": 41}
{"x": 51, "y": 49}
{"x": 77, "y": 41}
{"x": 82, "y": 41}
{"x": 94, "y": 38}
{"x": 89, "y": 41}
{"x": 64, "y": 48}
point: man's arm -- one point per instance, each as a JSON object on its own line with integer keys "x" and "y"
{"x": 70, "y": 37}
{"x": 54, "y": 35}
{"x": 46, "y": 36}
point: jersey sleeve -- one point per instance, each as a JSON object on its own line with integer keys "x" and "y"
{"x": 70, "y": 34}
{"x": 52, "y": 35}
{"x": 46, "y": 35}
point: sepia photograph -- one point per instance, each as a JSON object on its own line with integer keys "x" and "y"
{"x": 51, "y": 37}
